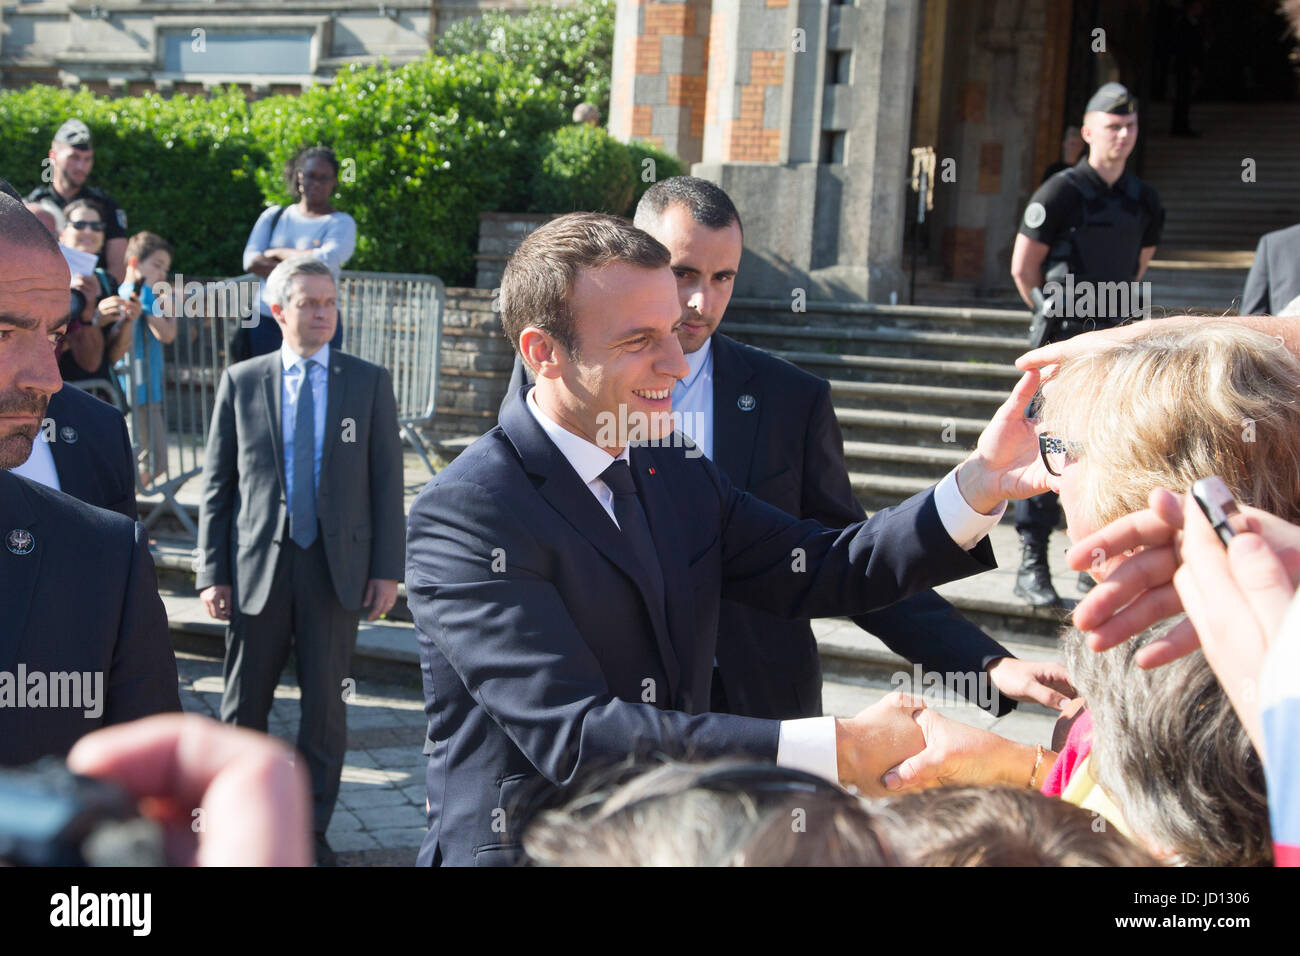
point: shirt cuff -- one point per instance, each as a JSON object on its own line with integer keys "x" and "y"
{"x": 966, "y": 526}
{"x": 808, "y": 744}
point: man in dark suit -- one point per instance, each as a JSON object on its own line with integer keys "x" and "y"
{"x": 83, "y": 450}
{"x": 770, "y": 427}
{"x": 300, "y": 523}
{"x": 566, "y": 586}
{"x": 83, "y": 642}
{"x": 1273, "y": 282}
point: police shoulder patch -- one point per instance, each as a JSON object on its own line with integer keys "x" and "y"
{"x": 1035, "y": 215}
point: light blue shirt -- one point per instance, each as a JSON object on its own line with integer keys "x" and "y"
{"x": 289, "y": 408}
{"x": 693, "y": 399}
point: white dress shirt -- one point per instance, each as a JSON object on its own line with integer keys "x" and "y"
{"x": 807, "y": 743}
{"x": 693, "y": 399}
{"x": 39, "y": 466}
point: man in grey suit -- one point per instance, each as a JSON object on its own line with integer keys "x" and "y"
{"x": 1274, "y": 278}
{"x": 301, "y": 523}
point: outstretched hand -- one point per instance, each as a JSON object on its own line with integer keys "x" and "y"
{"x": 1005, "y": 463}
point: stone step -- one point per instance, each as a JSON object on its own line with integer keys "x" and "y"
{"x": 902, "y": 461}
{"x": 927, "y": 431}
{"x": 986, "y": 376}
{"x": 897, "y": 396}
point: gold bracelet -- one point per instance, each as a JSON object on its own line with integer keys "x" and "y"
{"x": 1038, "y": 760}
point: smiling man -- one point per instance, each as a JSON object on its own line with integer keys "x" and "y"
{"x": 566, "y": 587}
{"x": 78, "y": 593}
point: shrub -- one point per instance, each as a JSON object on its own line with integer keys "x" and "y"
{"x": 582, "y": 167}
{"x": 661, "y": 165}
{"x": 570, "y": 48}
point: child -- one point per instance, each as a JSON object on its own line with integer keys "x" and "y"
{"x": 148, "y": 261}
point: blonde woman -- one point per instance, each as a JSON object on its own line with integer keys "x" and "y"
{"x": 1159, "y": 411}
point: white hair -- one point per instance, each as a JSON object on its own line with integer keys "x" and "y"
{"x": 276, "y": 290}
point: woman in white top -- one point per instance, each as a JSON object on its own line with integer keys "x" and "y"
{"x": 311, "y": 226}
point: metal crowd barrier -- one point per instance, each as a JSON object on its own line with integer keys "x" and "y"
{"x": 391, "y": 319}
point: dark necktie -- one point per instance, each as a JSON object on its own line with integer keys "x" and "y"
{"x": 302, "y": 517}
{"x": 635, "y": 528}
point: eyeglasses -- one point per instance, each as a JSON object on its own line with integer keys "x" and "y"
{"x": 1058, "y": 452}
{"x": 80, "y": 224}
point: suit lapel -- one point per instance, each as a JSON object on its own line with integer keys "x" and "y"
{"x": 272, "y": 385}
{"x": 566, "y": 493}
{"x": 734, "y": 428}
{"x": 18, "y": 572}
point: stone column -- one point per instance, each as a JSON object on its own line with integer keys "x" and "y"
{"x": 657, "y": 90}
{"x": 807, "y": 122}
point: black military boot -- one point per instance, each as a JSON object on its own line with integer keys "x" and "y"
{"x": 1034, "y": 578}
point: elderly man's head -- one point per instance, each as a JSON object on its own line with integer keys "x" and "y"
{"x": 590, "y": 304}
{"x": 304, "y": 301}
{"x": 33, "y": 311}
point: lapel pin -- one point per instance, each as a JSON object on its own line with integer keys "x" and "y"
{"x": 651, "y": 470}
{"x": 20, "y": 541}
{"x": 746, "y": 402}
{"x": 68, "y": 434}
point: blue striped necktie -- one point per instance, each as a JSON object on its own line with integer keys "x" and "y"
{"x": 302, "y": 516}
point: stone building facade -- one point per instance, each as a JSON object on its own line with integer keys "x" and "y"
{"x": 264, "y": 46}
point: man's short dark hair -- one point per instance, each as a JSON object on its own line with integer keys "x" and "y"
{"x": 19, "y": 227}
{"x": 539, "y": 277}
{"x": 708, "y": 204}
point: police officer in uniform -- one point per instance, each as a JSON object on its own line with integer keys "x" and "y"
{"x": 72, "y": 155}
{"x": 1086, "y": 225}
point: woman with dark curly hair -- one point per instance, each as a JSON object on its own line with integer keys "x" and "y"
{"x": 310, "y": 226}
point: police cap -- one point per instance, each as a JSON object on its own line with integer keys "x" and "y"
{"x": 75, "y": 133}
{"x": 1112, "y": 98}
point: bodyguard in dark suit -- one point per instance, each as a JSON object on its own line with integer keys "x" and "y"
{"x": 300, "y": 523}
{"x": 83, "y": 635}
{"x": 84, "y": 450}
{"x": 1274, "y": 277}
{"x": 566, "y": 585}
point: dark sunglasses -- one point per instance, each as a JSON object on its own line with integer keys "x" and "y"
{"x": 80, "y": 224}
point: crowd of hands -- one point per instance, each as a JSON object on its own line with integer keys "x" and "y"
{"x": 1151, "y": 565}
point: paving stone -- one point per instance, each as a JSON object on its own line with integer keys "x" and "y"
{"x": 383, "y": 818}
{"x": 400, "y": 837}
{"x": 342, "y": 821}
{"x": 376, "y": 797}
{"x": 351, "y": 840}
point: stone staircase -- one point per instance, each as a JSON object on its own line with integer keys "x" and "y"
{"x": 913, "y": 386}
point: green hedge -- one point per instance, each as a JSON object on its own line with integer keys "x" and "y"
{"x": 651, "y": 164}
{"x": 425, "y": 148}
{"x": 580, "y": 168}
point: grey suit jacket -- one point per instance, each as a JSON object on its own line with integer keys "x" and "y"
{"x": 358, "y": 499}
{"x": 1274, "y": 278}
